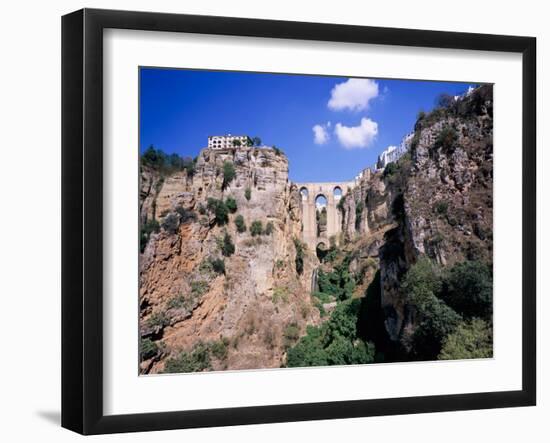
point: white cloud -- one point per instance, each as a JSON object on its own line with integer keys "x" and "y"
{"x": 321, "y": 134}
{"x": 353, "y": 94}
{"x": 361, "y": 136}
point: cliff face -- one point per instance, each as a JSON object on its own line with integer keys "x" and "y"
{"x": 186, "y": 301}
{"x": 442, "y": 201}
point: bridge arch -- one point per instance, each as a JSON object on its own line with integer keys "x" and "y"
{"x": 331, "y": 193}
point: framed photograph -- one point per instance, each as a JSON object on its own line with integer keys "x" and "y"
{"x": 269, "y": 221}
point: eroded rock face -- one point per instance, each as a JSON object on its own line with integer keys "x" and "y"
{"x": 184, "y": 301}
{"x": 444, "y": 207}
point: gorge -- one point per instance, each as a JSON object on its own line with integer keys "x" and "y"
{"x": 242, "y": 269}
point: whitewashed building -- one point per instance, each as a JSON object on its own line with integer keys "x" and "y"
{"x": 394, "y": 153}
{"x": 227, "y": 141}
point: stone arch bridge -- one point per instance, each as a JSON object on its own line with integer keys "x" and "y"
{"x": 310, "y": 193}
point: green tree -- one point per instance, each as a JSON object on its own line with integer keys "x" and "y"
{"x": 256, "y": 228}
{"x": 228, "y": 173}
{"x": 469, "y": 289}
{"x": 236, "y": 143}
{"x": 218, "y": 265}
{"x": 473, "y": 339}
{"x": 228, "y": 247}
{"x": 240, "y": 224}
{"x": 390, "y": 169}
{"x": 256, "y": 141}
{"x": 231, "y": 204}
{"x": 247, "y": 194}
{"x": 219, "y": 209}
{"x": 335, "y": 342}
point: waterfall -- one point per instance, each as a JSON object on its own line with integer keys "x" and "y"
{"x": 314, "y": 286}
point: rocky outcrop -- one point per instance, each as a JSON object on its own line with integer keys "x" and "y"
{"x": 442, "y": 200}
{"x": 186, "y": 301}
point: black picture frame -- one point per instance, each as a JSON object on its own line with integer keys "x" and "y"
{"x": 82, "y": 215}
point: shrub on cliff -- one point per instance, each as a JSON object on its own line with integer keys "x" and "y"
{"x": 299, "y": 260}
{"x": 247, "y": 194}
{"x": 219, "y": 209}
{"x": 228, "y": 248}
{"x": 145, "y": 233}
{"x": 256, "y": 228}
{"x": 446, "y": 138}
{"x": 196, "y": 360}
{"x": 147, "y": 349}
{"x": 228, "y": 174}
{"x": 240, "y": 224}
{"x": 170, "y": 223}
{"x": 390, "y": 169}
{"x": 185, "y": 214}
{"x": 231, "y": 204}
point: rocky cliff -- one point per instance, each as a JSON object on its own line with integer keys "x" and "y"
{"x": 243, "y": 303}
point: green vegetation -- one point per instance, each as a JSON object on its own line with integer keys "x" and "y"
{"x": 219, "y": 348}
{"x": 146, "y": 230}
{"x": 268, "y": 228}
{"x": 231, "y": 204}
{"x": 441, "y": 207}
{"x": 147, "y": 349}
{"x": 278, "y": 152}
{"x": 236, "y": 143}
{"x": 280, "y": 293}
{"x": 228, "y": 174}
{"x": 443, "y": 298}
{"x": 256, "y": 228}
{"x": 211, "y": 264}
{"x": 446, "y": 139}
{"x": 472, "y": 339}
{"x": 186, "y": 215}
{"x": 240, "y": 224}
{"x": 247, "y": 194}
{"x": 158, "y": 319}
{"x": 390, "y": 169}
{"x": 219, "y": 209}
{"x": 228, "y": 247}
{"x": 340, "y": 205}
{"x": 299, "y": 261}
{"x": 468, "y": 289}
{"x": 256, "y": 141}
{"x": 335, "y": 342}
{"x": 196, "y": 360}
{"x": 170, "y": 223}
{"x": 291, "y": 334}
{"x": 338, "y": 283}
{"x": 167, "y": 164}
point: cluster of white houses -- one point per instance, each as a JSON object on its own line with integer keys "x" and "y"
{"x": 228, "y": 141}
{"x": 394, "y": 153}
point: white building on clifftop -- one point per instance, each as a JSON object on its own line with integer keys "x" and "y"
{"x": 227, "y": 141}
{"x": 394, "y": 153}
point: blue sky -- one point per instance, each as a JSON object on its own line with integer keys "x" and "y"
{"x": 354, "y": 119}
